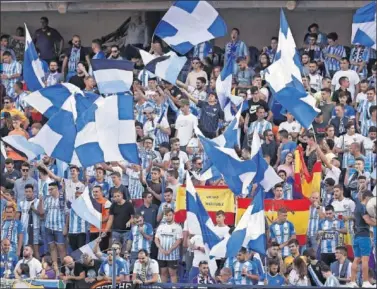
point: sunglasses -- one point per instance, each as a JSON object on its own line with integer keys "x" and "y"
{"x": 25, "y": 170}
{"x": 6, "y": 102}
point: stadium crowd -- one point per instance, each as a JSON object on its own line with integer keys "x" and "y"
{"x": 40, "y": 231}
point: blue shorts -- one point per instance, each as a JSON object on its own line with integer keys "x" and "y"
{"x": 55, "y": 237}
{"x": 362, "y": 247}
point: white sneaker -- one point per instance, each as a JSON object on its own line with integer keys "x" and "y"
{"x": 367, "y": 284}
{"x": 352, "y": 285}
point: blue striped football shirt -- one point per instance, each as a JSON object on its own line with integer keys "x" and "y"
{"x": 135, "y": 187}
{"x": 333, "y": 64}
{"x": 168, "y": 235}
{"x": 138, "y": 240}
{"x": 330, "y": 238}
{"x": 259, "y": 126}
{"x": 313, "y": 222}
{"x": 107, "y": 270}
{"x": 360, "y": 54}
{"x": 10, "y": 229}
{"x": 282, "y": 233}
{"x": 76, "y": 224}
{"x": 239, "y": 279}
{"x": 364, "y": 117}
{"x": 54, "y": 214}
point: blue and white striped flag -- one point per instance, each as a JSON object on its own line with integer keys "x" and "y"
{"x": 106, "y": 131}
{"x": 23, "y": 146}
{"x": 166, "y": 67}
{"x": 285, "y": 81}
{"x": 113, "y": 76}
{"x": 86, "y": 249}
{"x": 364, "y": 26}
{"x": 33, "y": 72}
{"x": 188, "y": 23}
{"x": 88, "y": 209}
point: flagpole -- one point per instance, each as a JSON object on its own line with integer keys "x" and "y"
{"x": 113, "y": 277}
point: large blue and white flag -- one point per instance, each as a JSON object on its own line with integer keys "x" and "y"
{"x": 284, "y": 78}
{"x": 88, "y": 209}
{"x": 364, "y": 26}
{"x": 198, "y": 220}
{"x": 113, "y": 76}
{"x": 33, "y": 72}
{"x": 224, "y": 83}
{"x": 106, "y": 131}
{"x": 188, "y": 23}
{"x": 166, "y": 67}
{"x": 235, "y": 102}
{"x": 249, "y": 233}
{"x": 238, "y": 174}
{"x": 20, "y": 144}
{"x": 266, "y": 176}
{"x": 50, "y": 100}
{"x": 86, "y": 249}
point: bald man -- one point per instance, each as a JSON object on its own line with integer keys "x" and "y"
{"x": 71, "y": 272}
{"x": 35, "y": 267}
{"x": 8, "y": 260}
{"x": 317, "y": 212}
{"x": 225, "y": 276}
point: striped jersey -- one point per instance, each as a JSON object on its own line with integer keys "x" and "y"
{"x": 259, "y": 126}
{"x": 282, "y": 233}
{"x": 135, "y": 187}
{"x": 288, "y": 191}
{"x": 360, "y": 54}
{"x": 168, "y": 234}
{"x": 54, "y": 214}
{"x": 106, "y": 269}
{"x": 237, "y": 272}
{"x": 363, "y": 109}
{"x": 330, "y": 238}
{"x": 165, "y": 205}
{"x": 313, "y": 221}
{"x": 140, "y": 116}
{"x": 138, "y": 240}
{"x": 333, "y": 64}
{"x": 23, "y": 207}
{"x": 76, "y": 224}
{"x": 10, "y": 229}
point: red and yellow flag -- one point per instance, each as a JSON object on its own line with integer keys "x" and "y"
{"x": 298, "y": 213}
{"x": 306, "y": 183}
{"x": 213, "y": 199}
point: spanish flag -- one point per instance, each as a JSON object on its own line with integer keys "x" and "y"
{"x": 213, "y": 198}
{"x": 306, "y": 183}
{"x": 298, "y": 213}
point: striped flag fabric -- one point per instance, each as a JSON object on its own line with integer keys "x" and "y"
{"x": 113, "y": 76}
{"x": 88, "y": 209}
{"x": 188, "y": 23}
{"x": 213, "y": 199}
{"x": 86, "y": 249}
{"x": 24, "y": 147}
{"x": 364, "y": 26}
{"x": 306, "y": 183}
{"x": 224, "y": 83}
{"x": 166, "y": 67}
{"x": 33, "y": 72}
{"x": 298, "y": 213}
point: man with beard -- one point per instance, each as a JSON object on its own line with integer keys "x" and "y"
{"x": 73, "y": 56}
{"x": 71, "y": 272}
{"x": 78, "y": 78}
{"x": 35, "y": 266}
{"x": 91, "y": 267}
{"x": 53, "y": 76}
{"x": 115, "y": 53}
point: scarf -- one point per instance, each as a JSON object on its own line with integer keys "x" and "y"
{"x": 74, "y": 59}
{"x": 204, "y": 279}
{"x": 357, "y": 54}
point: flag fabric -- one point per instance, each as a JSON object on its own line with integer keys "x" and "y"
{"x": 24, "y": 147}
{"x": 47, "y": 284}
{"x": 188, "y": 23}
{"x": 237, "y": 173}
{"x": 284, "y": 78}
{"x": 86, "y": 249}
{"x": 213, "y": 198}
{"x": 266, "y": 176}
{"x": 33, "y": 72}
{"x": 233, "y": 100}
{"x": 250, "y": 231}
{"x": 364, "y": 26}
{"x": 224, "y": 83}
{"x": 88, "y": 209}
{"x": 298, "y": 213}
{"x": 50, "y": 100}
{"x": 113, "y": 76}
{"x": 106, "y": 131}
{"x": 306, "y": 183}
{"x": 166, "y": 67}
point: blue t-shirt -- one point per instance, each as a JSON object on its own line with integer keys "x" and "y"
{"x": 275, "y": 280}
{"x": 10, "y": 260}
{"x": 361, "y": 227}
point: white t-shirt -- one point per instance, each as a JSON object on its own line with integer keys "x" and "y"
{"x": 193, "y": 76}
{"x": 149, "y": 127}
{"x": 197, "y": 241}
{"x": 360, "y": 97}
{"x": 290, "y": 127}
{"x": 182, "y": 157}
{"x": 315, "y": 81}
{"x": 185, "y": 127}
{"x": 346, "y": 140}
{"x": 152, "y": 268}
{"x": 351, "y": 75}
{"x": 35, "y": 266}
{"x": 346, "y": 207}
{"x": 221, "y": 231}
{"x": 333, "y": 173}
{"x": 70, "y": 189}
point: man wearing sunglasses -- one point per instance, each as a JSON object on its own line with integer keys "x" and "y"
{"x": 115, "y": 53}
{"x": 26, "y": 179}
{"x": 196, "y": 72}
